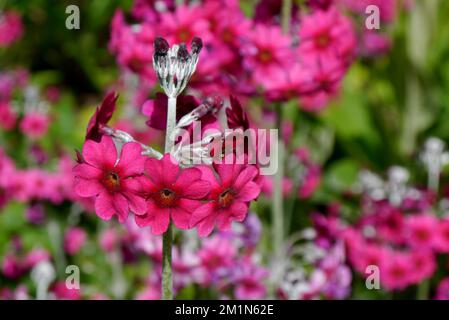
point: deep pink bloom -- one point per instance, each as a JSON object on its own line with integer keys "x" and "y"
{"x": 34, "y": 257}
{"x": 327, "y": 35}
{"x": 395, "y": 271}
{"x": 310, "y": 182}
{"x": 11, "y": 266}
{"x": 231, "y": 190}
{"x": 375, "y": 43}
{"x": 74, "y": 240}
{"x": 387, "y": 8}
{"x": 442, "y": 292}
{"x": 420, "y": 231}
{"x": 61, "y": 292}
{"x": 115, "y": 184}
{"x": 184, "y": 24}
{"x": 172, "y": 193}
{"x": 11, "y": 28}
{"x": 35, "y": 124}
{"x": 267, "y": 51}
{"x": 442, "y": 236}
{"x": 216, "y": 254}
{"x": 101, "y": 117}
{"x": 8, "y": 116}
{"x": 422, "y": 265}
{"x": 248, "y": 279}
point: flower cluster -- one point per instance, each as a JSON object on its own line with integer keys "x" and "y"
{"x": 35, "y": 184}
{"x": 225, "y": 261}
{"x": 158, "y": 191}
{"x": 242, "y": 48}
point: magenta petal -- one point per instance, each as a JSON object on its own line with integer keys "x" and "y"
{"x": 161, "y": 220}
{"x": 187, "y": 177}
{"x": 87, "y": 188}
{"x": 131, "y": 160}
{"x": 104, "y": 206}
{"x": 246, "y": 175}
{"x": 190, "y": 185}
{"x": 208, "y": 174}
{"x": 181, "y": 218}
{"x": 201, "y": 213}
{"x": 137, "y": 204}
{"x": 170, "y": 169}
{"x": 153, "y": 169}
{"x": 100, "y": 154}
{"x": 206, "y": 226}
{"x": 225, "y": 171}
{"x": 87, "y": 171}
{"x": 121, "y": 205}
{"x": 239, "y": 211}
{"x": 249, "y": 192}
{"x": 198, "y": 190}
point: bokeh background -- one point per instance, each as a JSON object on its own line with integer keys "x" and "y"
{"x": 363, "y": 116}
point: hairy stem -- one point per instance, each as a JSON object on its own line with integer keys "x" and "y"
{"x": 167, "y": 277}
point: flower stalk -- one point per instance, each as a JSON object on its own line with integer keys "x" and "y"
{"x": 174, "y": 66}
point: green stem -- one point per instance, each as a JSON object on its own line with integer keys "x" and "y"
{"x": 286, "y": 15}
{"x": 167, "y": 279}
{"x": 167, "y": 237}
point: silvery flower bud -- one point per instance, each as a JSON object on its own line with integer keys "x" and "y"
{"x": 174, "y": 66}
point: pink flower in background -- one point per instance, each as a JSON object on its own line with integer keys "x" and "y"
{"x": 61, "y": 292}
{"x": 267, "y": 185}
{"x": 231, "y": 190}
{"x": 115, "y": 184}
{"x": 109, "y": 239}
{"x": 375, "y": 43}
{"x": 171, "y": 194}
{"x": 321, "y": 84}
{"x": 442, "y": 236}
{"x": 442, "y": 292}
{"x": 248, "y": 280}
{"x": 11, "y": 28}
{"x": 422, "y": 265}
{"x": 327, "y": 35}
{"x": 74, "y": 240}
{"x": 310, "y": 182}
{"x": 421, "y": 231}
{"x": 395, "y": 271}
{"x": 184, "y": 24}
{"x": 101, "y": 117}
{"x": 216, "y": 254}
{"x": 11, "y": 266}
{"x": 8, "y": 116}
{"x": 387, "y": 8}
{"x": 35, "y": 256}
{"x": 35, "y": 124}
{"x": 267, "y": 51}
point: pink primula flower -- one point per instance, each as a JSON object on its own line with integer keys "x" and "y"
{"x": 115, "y": 183}
{"x": 421, "y": 230}
{"x": 35, "y": 124}
{"x": 74, "y": 240}
{"x": 172, "y": 193}
{"x": 231, "y": 191}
